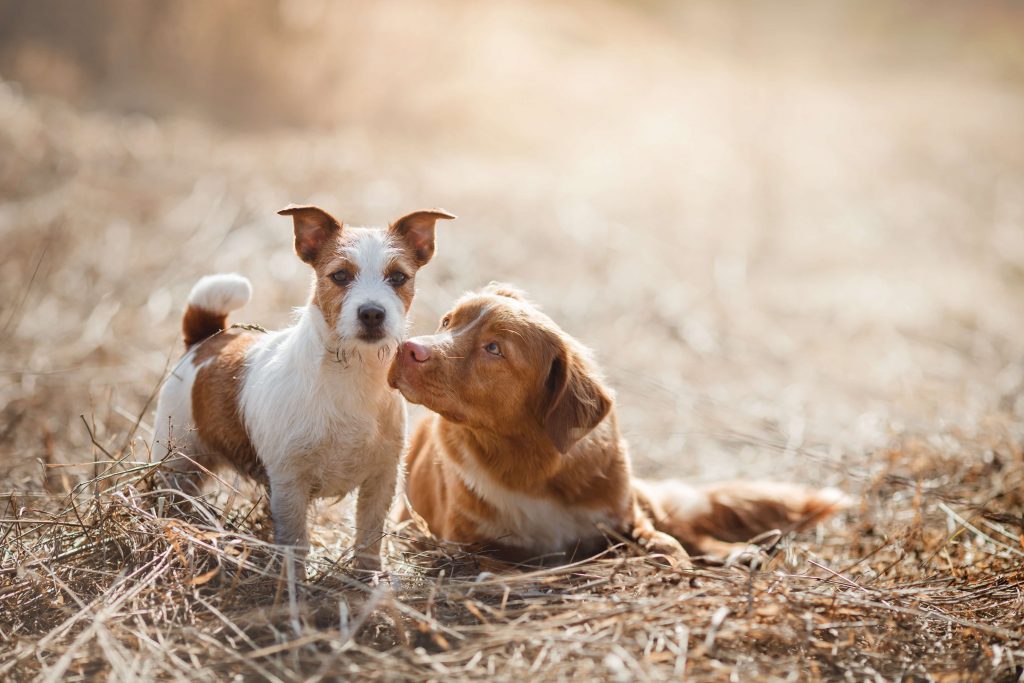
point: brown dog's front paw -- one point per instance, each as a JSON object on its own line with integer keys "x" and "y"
{"x": 660, "y": 543}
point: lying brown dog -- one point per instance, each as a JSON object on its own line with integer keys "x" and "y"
{"x": 524, "y": 457}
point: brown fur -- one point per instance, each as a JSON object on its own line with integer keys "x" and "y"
{"x": 215, "y": 403}
{"x": 539, "y": 421}
{"x": 416, "y": 230}
{"x": 198, "y": 323}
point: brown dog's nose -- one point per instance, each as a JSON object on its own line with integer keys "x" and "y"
{"x": 416, "y": 351}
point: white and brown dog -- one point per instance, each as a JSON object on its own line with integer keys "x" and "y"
{"x": 306, "y": 410}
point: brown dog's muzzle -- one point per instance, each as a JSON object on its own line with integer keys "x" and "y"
{"x": 408, "y": 361}
{"x": 420, "y": 372}
{"x": 415, "y": 351}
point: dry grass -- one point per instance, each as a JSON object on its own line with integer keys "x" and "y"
{"x": 793, "y": 239}
{"x": 924, "y": 581}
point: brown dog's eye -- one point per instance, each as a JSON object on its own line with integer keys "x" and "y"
{"x": 493, "y": 349}
{"x": 397, "y": 278}
{"x": 342, "y": 277}
{"x": 446, "y": 321}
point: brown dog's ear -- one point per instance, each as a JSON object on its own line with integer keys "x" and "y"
{"x": 313, "y": 227}
{"x": 577, "y": 401}
{"x": 502, "y": 289}
{"x": 417, "y": 231}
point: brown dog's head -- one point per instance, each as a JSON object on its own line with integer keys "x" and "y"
{"x": 498, "y": 364}
{"x": 364, "y": 277}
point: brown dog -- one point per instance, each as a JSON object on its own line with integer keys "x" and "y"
{"x": 524, "y": 456}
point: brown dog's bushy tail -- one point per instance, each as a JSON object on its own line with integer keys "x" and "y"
{"x": 703, "y": 518}
{"x": 210, "y": 302}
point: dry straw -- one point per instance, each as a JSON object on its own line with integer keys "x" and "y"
{"x": 125, "y": 579}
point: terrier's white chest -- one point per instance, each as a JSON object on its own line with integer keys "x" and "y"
{"x": 330, "y": 430}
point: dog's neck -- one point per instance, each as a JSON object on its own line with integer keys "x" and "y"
{"x": 526, "y": 461}
{"x": 317, "y": 349}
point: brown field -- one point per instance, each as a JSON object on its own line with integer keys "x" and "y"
{"x": 794, "y": 238}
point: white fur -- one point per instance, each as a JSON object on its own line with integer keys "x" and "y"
{"x": 175, "y": 427}
{"x": 835, "y": 497}
{"x": 321, "y": 427}
{"x": 525, "y": 521}
{"x": 221, "y": 293}
{"x": 680, "y": 500}
{"x": 371, "y": 253}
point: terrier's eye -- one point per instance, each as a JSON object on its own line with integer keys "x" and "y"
{"x": 397, "y": 278}
{"x": 446, "y": 321}
{"x": 493, "y": 349}
{"x": 342, "y": 277}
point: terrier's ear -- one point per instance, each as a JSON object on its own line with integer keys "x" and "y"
{"x": 576, "y": 400}
{"x": 416, "y": 230}
{"x": 313, "y": 228}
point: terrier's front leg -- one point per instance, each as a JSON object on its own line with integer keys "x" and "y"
{"x": 375, "y": 496}
{"x": 289, "y": 503}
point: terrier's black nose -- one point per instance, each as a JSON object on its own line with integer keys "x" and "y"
{"x": 371, "y": 316}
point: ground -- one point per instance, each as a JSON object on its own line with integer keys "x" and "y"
{"x": 797, "y": 254}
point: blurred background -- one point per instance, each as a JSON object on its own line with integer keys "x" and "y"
{"x": 791, "y": 232}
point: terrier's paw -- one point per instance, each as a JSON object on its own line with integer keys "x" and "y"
{"x": 367, "y": 564}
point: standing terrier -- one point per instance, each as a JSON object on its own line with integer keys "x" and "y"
{"x": 305, "y": 410}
